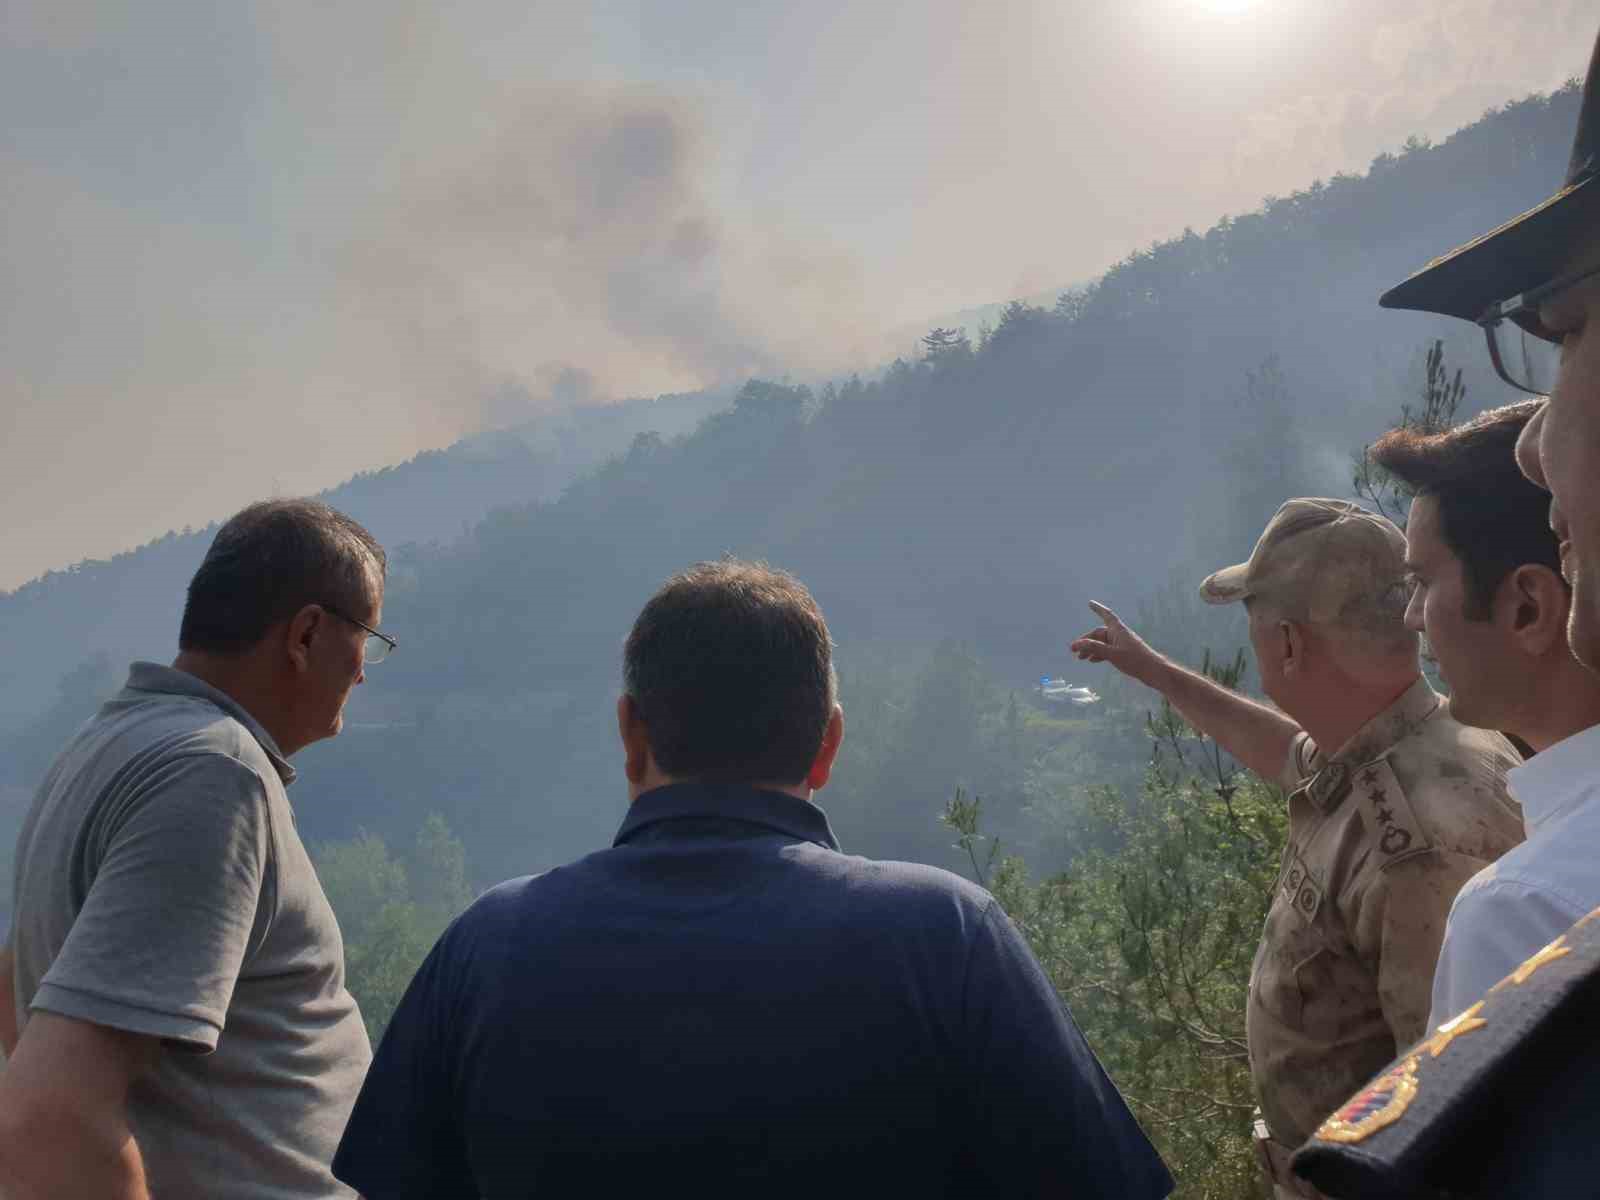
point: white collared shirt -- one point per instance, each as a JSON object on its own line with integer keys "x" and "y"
{"x": 1537, "y": 891}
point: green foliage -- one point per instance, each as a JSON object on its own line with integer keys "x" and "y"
{"x": 968, "y": 497}
{"x": 361, "y": 881}
{"x": 965, "y": 817}
{"x": 1442, "y": 394}
{"x": 912, "y": 728}
{"x": 943, "y": 344}
{"x": 439, "y": 883}
{"x": 1150, "y": 935}
{"x": 391, "y": 910}
{"x": 773, "y": 400}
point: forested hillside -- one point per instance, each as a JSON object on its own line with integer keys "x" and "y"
{"x": 127, "y": 606}
{"x": 1119, "y": 444}
{"x": 952, "y": 515}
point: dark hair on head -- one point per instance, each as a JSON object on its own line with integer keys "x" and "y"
{"x": 1493, "y": 519}
{"x": 731, "y": 669}
{"x": 271, "y": 560}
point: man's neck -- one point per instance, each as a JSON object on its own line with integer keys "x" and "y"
{"x": 239, "y": 679}
{"x": 1353, "y": 708}
{"x": 1565, "y": 703}
{"x": 655, "y": 779}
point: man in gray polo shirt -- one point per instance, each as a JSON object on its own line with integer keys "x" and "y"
{"x": 182, "y": 1027}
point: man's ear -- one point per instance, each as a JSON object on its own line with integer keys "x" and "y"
{"x": 1291, "y": 644}
{"x": 1533, "y": 602}
{"x": 832, "y": 739}
{"x": 299, "y": 634}
{"x": 635, "y": 740}
{"x": 1529, "y": 443}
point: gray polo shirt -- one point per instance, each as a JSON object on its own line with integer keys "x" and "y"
{"x": 161, "y": 888}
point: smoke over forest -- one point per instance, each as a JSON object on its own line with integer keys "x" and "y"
{"x": 953, "y": 503}
{"x": 317, "y": 243}
{"x": 958, "y": 505}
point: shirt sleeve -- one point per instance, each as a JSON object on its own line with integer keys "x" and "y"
{"x": 1495, "y": 924}
{"x": 404, "y": 1140}
{"x": 1045, "y": 1119}
{"x": 176, "y": 890}
{"x": 1297, "y": 766}
{"x": 1399, "y": 927}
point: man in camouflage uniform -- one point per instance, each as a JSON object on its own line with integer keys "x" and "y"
{"x": 1503, "y": 1099}
{"x": 1384, "y": 827}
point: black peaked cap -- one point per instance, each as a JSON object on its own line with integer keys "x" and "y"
{"x": 1527, "y": 250}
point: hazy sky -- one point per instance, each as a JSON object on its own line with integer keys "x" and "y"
{"x": 254, "y": 248}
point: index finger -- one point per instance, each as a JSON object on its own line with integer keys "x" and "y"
{"x": 1104, "y": 613}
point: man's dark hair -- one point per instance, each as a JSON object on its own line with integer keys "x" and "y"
{"x": 731, "y": 669}
{"x": 271, "y": 560}
{"x": 1492, "y": 518}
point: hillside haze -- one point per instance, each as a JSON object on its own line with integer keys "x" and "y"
{"x": 65, "y": 617}
{"x": 952, "y": 516}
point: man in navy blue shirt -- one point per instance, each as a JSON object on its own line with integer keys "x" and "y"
{"x": 723, "y": 1000}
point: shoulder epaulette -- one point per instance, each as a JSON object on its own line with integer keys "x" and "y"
{"x": 1391, "y": 821}
{"x": 1328, "y": 786}
{"x": 1454, "y": 1114}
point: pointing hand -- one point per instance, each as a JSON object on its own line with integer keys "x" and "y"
{"x": 1114, "y": 643}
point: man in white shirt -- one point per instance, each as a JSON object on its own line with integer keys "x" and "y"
{"x": 1487, "y": 590}
{"x": 1502, "y": 1101}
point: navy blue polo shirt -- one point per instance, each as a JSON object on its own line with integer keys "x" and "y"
{"x": 722, "y": 1000}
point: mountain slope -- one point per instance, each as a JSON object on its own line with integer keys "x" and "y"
{"x": 1117, "y": 446}
{"x": 128, "y": 606}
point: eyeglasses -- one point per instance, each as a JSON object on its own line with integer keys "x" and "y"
{"x": 1526, "y": 354}
{"x": 377, "y": 647}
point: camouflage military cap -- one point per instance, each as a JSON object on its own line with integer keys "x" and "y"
{"x": 1501, "y": 1100}
{"x": 1317, "y": 559}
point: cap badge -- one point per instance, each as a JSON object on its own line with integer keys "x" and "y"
{"x": 1375, "y": 1106}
